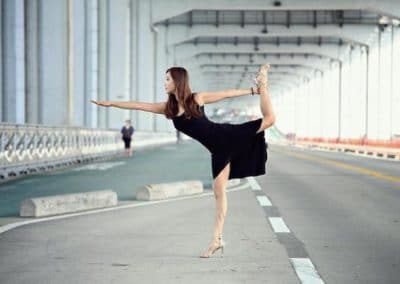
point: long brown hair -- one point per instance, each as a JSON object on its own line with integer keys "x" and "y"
{"x": 184, "y": 94}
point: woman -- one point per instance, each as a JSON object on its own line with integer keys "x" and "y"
{"x": 237, "y": 150}
{"x": 127, "y": 131}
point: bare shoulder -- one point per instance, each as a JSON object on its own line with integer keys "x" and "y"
{"x": 198, "y": 97}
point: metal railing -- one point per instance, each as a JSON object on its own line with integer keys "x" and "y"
{"x": 26, "y": 149}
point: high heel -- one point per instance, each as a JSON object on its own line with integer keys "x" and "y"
{"x": 261, "y": 79}
{"x": 220, "y": 247}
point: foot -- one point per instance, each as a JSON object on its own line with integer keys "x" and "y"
{"x": 216, "y": 244}
{"x": 262, "y": 77}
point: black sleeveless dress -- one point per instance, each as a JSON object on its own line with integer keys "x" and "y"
{"x": 238, "y": 144}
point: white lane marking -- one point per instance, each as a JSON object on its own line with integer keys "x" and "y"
{"x": 11, "y": 226}
{"x": 264, "y": 201}
{"x": 306, "y": 271}
{"x": 278, "y": 225}
{"x": 253, "y": 183}
{"x": 100, "y": 166}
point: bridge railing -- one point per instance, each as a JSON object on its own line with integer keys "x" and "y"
{"x": 31, "y": 148}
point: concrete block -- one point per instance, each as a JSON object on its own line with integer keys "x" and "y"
{"x": 169, "y": 190}
{"x": 67, "y": 203}
{"x": 233, "y": 182}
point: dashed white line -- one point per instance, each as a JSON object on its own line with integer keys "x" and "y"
{"x": 304, "y": 268}
{"x": 253, "y": 183}
{"x": 306, "y": 271}
{"x": 278, "y": 225}
{"x": 264, "y": 201}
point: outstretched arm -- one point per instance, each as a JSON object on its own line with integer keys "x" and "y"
{"x": 212, "y": 97}
{"x": 150, "y": 107}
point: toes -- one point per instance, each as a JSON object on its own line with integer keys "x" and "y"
{"x": 265, "y": 67}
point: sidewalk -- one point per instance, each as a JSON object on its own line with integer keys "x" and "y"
{"x": 157, "y": 243}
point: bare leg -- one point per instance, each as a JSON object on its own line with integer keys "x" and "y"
{"x": 221, "y": 200}
{"x": 265, "y": 101}
{"x": 220, "y": 183}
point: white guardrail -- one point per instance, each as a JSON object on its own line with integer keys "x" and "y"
{"x": 28, "y": 149}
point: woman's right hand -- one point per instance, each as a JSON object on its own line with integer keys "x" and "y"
{"x": 102, "y": 103}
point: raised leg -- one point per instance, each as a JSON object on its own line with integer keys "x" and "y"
{"x": 265, "y": 101}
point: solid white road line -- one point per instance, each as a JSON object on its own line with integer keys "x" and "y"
{"x": 306, "y": 271}
{"x": 278, "y": 225}
{"x": 264, "y": 201}
{"x": 253, "y": 183}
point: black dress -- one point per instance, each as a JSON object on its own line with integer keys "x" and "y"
{"x": 238, "y": 144}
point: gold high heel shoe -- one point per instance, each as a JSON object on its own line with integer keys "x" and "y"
{"x": 261, "y": 79}
{"x": 221, "y": 247}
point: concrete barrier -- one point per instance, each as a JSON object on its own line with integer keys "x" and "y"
{"x": 67, "y": 203}
{"x": 169, "y": 190}
{"x": 385, "y": 153}
{"x": 233, "y": 182}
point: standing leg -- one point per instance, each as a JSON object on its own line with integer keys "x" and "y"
{"x": 130, "y": 148}
{"x": 220, "y": 183}
{"x": 125, "y": 145}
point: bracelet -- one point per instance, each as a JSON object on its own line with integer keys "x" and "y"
{"x": 252, "y": 91}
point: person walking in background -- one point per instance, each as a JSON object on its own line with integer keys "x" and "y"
{"x": 127, "y": 131}
{"x": 237, "y": 150}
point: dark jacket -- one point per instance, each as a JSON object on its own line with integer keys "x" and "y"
{"x": 127, "y": 132}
